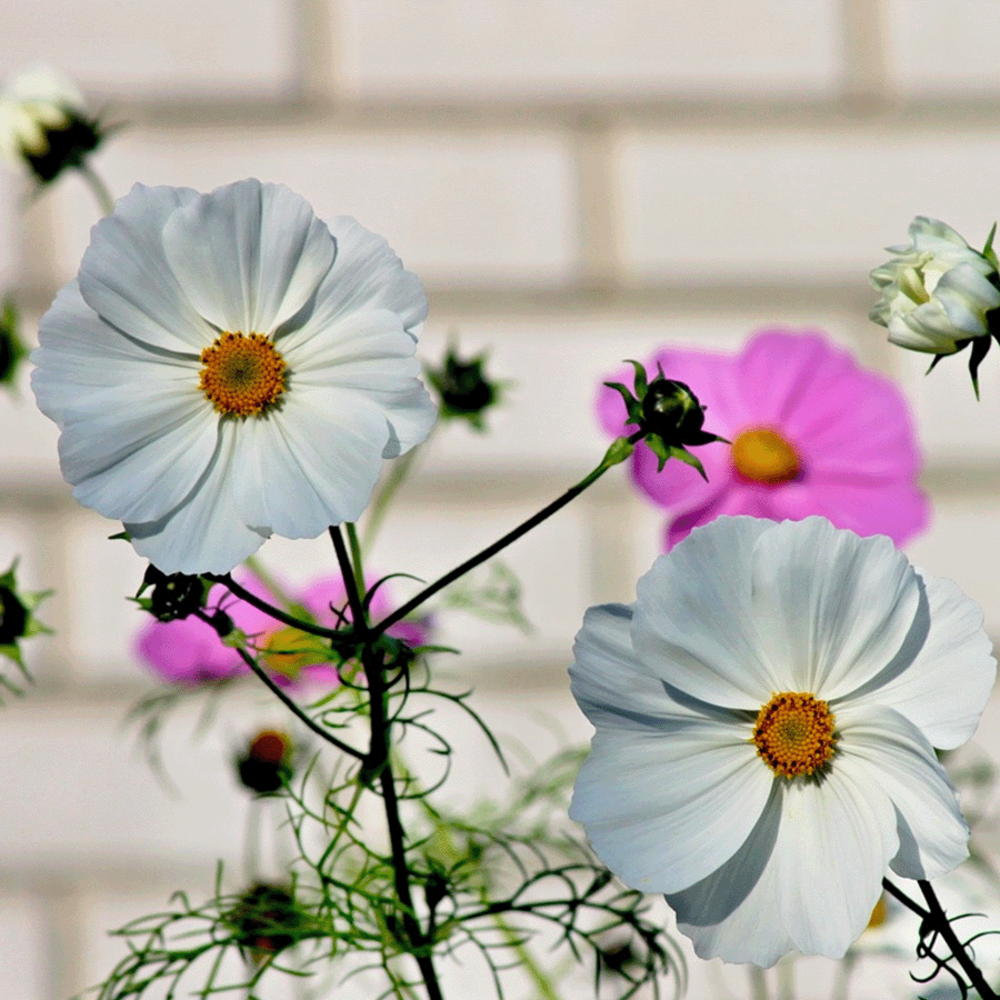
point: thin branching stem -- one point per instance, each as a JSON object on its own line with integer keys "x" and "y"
{"x": 379, "y": 765}
{"x": 276, "y": 690}
{"x": 498, "y": 546}
{"x": 269, "y": 609}
{"x": 943, "y": 926}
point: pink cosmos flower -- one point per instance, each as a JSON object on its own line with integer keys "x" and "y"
{"x": 188, "y": 652}
{"x": 811, "y": 432}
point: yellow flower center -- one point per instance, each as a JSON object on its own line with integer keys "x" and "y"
{"x": 288, "y": 651}
{"x": 242, "y": 375}
{"x": 794, "y": 734}
{"x": 764, "y": 456}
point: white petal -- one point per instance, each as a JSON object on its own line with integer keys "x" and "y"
{"x": 249, "y": 255}
{"x": 371, "y": 353}
{"x": 881, "y": 749}
{"x": 311, "y": 464}
{"x": 694, "y": 622}
{"x": 666, "y": 807}
{"x": 134, "y": 452}
{"x": 367, "y": 275}
{"x": 80, "y": 352}
{"x": 609, "y": 684}
{"x": 125, "y": 278}
{"x": 730, "y": 914}
{"x": 832, "y": 608}
{"x": 205, "y": 533}
{"x": 811, "y": 885}
{"x": 947, "y": 642}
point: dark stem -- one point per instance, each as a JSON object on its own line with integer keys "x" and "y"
{"x": 898, "y": 893}
{"x": 284, "y": 698}
{"x": 943, "y": 926}
{"x": 497, "y": 546}
{"x": 269, "y": 609}
{"x": 378, "y": 766}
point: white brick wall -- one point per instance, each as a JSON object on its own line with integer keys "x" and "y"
{"x": 577, "y": 181}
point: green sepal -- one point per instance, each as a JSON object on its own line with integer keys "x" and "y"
{"x": 980, "y": 348}
{"x": 632, "y": 405}
{"x": 121, "y": 536}
{"x": 688, "y": 459}
{"x": 641, "y": 385}
{"x": 659, "y": 449}
{"x": 988, "y": 252}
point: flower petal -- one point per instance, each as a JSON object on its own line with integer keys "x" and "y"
{"x": 694, "y": 620}
{"x": 881, "y": 749}
{"x": 366, "y": 276}
{"x": 832, "y": 608}
{"x": 784, "y": 373}
{"x": 125, "y": 277}
{"x": 953, "y": 644}
{"x": 666, "y": 807}
{"x": 204, "y": 533}
{"x": 371, "y": 353}
{"x": 816, "y": 887}
{"x": 248, "y": 255}
{"x": 312, "y": 464}
{"x": 134, "y": 452}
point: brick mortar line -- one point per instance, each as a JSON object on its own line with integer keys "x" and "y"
{"x": 919, "y": 113}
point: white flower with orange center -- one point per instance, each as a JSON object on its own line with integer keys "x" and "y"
{"x": 227, "y": 366}
{"x": 766, "y": 715}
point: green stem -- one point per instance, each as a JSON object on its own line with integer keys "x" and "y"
{"x": 546, "y": 987}
{"x": 618, "y": 452}
{"x": 758, "y": 984}
{"x": 98, "y": 188}
{"x": 255, "y": 566}
{"x": 398, "y": 472}
{"x": 356, "y": 560}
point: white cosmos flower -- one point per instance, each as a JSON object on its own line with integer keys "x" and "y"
{"x": 31, "y": 104}
{"x": 227, "y": 366}
{"x": 936, "y": 291}
{"x": 766, "y": 714}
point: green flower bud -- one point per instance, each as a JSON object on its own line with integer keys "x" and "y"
{"x": 174, "y": 596}
{"x": 266, "y": 767}
{"x": 463, "y": 388}
{"x": 668, "y": 415}
{"x": 266, "y": 920}
{"x": 13, "y": 617}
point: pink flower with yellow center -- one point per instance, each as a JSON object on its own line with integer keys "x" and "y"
{"x": 188, "y": 651}
{"x": 812, "y": 433}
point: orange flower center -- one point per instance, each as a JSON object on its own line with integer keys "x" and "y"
{"x": 269, "y": 747}
{"x": 794, "y": 734}
{"x": 242, "y": 375}
{"x": 764, "y": 456}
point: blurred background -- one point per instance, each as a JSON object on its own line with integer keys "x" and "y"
{"x": 576, "y": 182}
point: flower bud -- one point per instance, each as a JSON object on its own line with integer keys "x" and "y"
{"x": 44, "y": 123}
{"x": 266, "y": 767}
{"x": 936, "y": 291}
{"x": 464, "y": 389}
{"x": 668, "y": 415}
{"x": 17, "y": 621}
{"x": 175, "y": 595}
{"x": 13, "y": 617}
{"x": 266, "y": 920}
{"x": 11, "y": 347}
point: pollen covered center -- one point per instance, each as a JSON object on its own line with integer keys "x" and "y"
{"x": 242, "y": 374}
{"x": 794, "y": 734}
{"x": 762, "y": 455}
